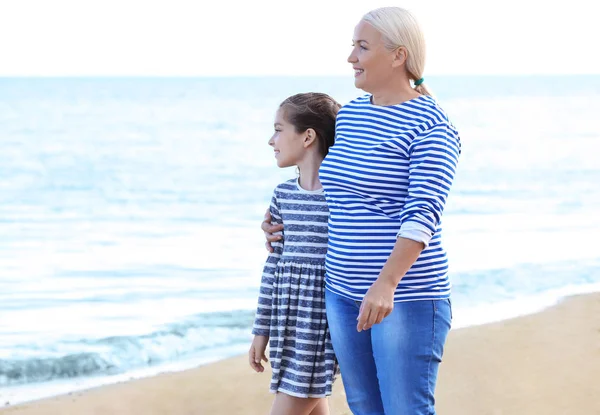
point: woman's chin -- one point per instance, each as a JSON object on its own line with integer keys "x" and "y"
{"x": 359, "y": 82}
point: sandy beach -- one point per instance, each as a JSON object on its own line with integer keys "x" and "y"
{"x": 545, "y": 363}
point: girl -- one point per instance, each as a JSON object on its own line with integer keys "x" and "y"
{"x": 291, "y": 306}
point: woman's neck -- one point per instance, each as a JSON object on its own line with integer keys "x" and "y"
{"x": 393, "y": 93}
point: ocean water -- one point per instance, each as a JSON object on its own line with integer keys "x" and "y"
{"x": 130, "y": 212}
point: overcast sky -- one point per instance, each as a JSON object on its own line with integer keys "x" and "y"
{"x": 283, "y": 37}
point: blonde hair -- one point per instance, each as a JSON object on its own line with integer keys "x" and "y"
{"x": 398, "y": 27}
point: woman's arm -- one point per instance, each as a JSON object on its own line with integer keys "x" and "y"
{"x": 432, "y": 165}
{"x": 270, "y": 229}
{"x": 378, "y": 303}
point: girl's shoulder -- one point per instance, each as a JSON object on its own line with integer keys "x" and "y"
{"x": 288, "y": 185}
{"x": 285, "y": 188}
{"x": 290, "y": 190}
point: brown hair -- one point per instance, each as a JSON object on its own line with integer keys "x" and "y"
{"x": 313, "y": 110}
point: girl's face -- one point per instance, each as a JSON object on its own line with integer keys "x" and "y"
{"x": 373, "y": 64}
{"x": 287, "y": 144}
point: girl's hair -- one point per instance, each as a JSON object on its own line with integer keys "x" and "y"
{"x": 313, "y": 110}
{"x": 398, "y": 27}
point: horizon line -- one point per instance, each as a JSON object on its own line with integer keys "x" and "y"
{"x": 254, "y": 76}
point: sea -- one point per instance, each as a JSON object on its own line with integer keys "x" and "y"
{"x": 130, "y": 213}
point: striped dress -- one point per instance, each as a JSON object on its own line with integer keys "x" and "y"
{"x": 291, "y": 303}
{"x": 387, "y": 176}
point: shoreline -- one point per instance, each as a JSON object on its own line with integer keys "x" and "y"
{"x": 545, "y": 362}
{"x": 465, "y": 318}
{"x": 21, "y": 394}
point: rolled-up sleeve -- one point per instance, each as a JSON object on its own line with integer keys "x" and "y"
{"x": 433, "y": 157}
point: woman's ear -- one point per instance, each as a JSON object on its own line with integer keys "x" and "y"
{"x": 310, "y": 137}
{"x": 400, "y": 56}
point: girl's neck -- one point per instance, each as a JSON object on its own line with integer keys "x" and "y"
{"x": 309, "y": 175}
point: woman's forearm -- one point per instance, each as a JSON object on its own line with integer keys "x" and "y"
{"x": 403, "y": 256}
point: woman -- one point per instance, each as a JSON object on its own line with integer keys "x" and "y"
{"x": 386, "y": 180}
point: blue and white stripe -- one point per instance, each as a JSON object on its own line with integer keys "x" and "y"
{"x": 387, "y": 176}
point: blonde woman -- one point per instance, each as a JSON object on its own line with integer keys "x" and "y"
{"x": 386, "y": 182}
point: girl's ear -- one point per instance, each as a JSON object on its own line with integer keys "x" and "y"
{"x": 310, "y": 137}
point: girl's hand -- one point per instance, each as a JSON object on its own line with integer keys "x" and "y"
{"x": 269, "y": 230}
{"x": 377, "y": 304}
{"x": 257, "y": 353}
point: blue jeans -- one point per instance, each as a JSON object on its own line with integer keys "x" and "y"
{"x": 392, "y": 368}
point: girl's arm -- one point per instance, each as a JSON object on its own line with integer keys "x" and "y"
{"x": 262, "y": 322}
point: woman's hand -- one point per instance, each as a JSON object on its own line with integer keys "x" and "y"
{"x": 257, "y": 353}
{"x": 378, "y": 302}
{"x": 269, "y": 230}
{"x": 376, "y": 305}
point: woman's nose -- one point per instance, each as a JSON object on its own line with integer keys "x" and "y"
{"x": 352, "y": 57}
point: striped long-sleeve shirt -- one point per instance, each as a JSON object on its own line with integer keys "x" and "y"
{"x": 387, "y": 176}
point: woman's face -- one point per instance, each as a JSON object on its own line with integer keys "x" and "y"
{"x": 371, "y": 61}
